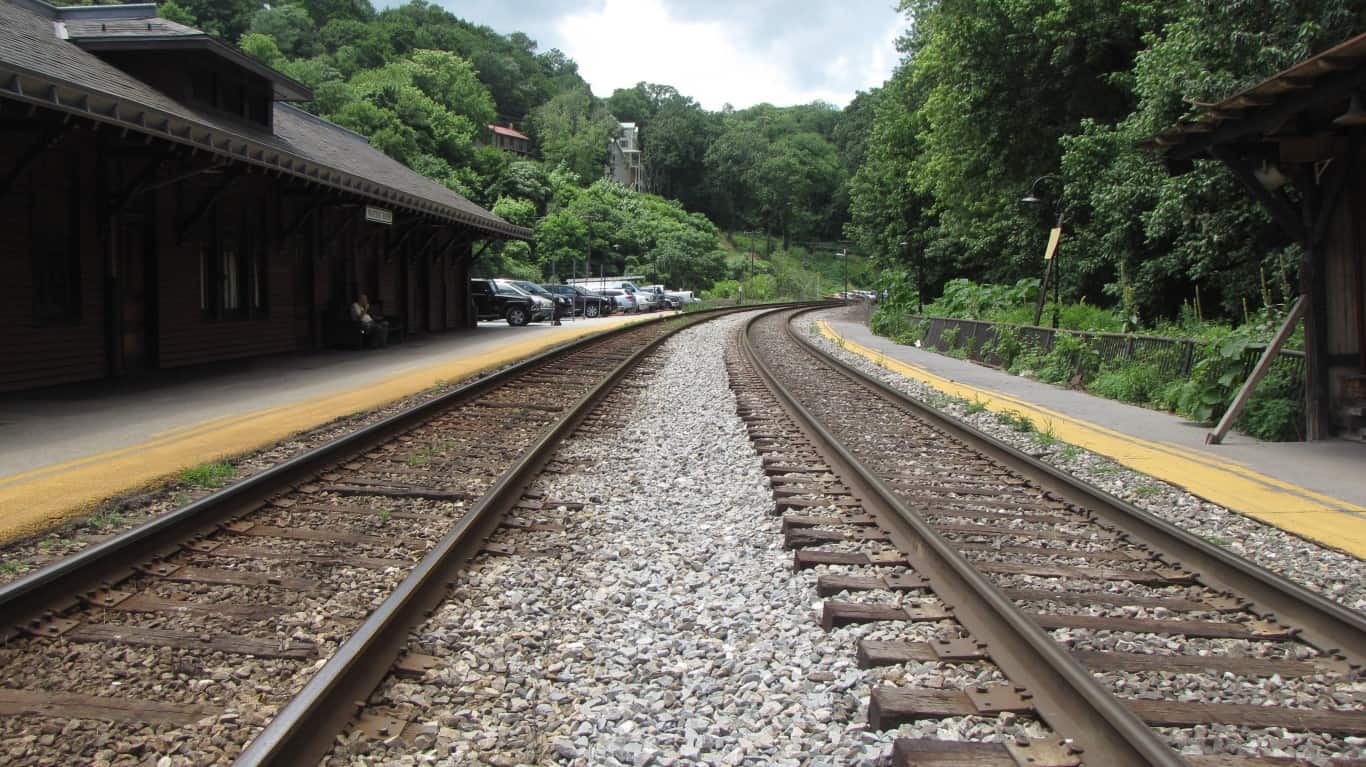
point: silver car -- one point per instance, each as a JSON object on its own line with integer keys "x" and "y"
{"x": 645, "y": 300}
{"x": 625, "y": 302}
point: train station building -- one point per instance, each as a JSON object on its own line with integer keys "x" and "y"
{"x": 164, "y": 203}
{"x": 1294, "y": 141}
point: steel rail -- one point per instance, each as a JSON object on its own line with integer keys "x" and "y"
{"x": 304, "y": 731}
{"x": 58, "y": 586}
{"x": 1062, "y": 691}
{"x": 1323, "y": 623}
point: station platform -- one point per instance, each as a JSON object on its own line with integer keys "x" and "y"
{"x": 1315, "y": 490}
{"x": 65, "y": 449}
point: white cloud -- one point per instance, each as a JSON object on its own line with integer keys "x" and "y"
{"x": 627, "y": 41}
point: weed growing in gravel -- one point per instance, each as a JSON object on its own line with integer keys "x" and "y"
{"x": 976, "y": 406}
{"x": 1069, "y": 453}
{"x": 10, "y": 568}
{"x": 1146, "y": 489}
{"x": 104, "y": 520}
{"x": 1016, "y": 420}
{"x": 1048, "y": 435}
{"x": 384, "y": 515}
{"x": 1218, "y": 540}
{"x": 1107, "y": 468}
{"x": 209, "y": 476}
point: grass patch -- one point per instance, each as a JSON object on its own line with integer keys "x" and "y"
{"x": 209, "y": 476}
{"x": 976, "y": 406}
{"x": 104, "y": 520}
{"x": 1146, "y": 489}
{"x": 1069, "y": 453}
{"x": 10, "y": 568}
{"x": 1016, "y": 420}
{"x": 1047, "y": 436}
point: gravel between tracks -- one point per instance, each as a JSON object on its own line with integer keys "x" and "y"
{"x": 1337, "y": 575}
{"x": 670, "y": 630}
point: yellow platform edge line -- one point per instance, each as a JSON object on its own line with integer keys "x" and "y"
{"x": 1318, "y": 517}
{"x": 40, "y": 499}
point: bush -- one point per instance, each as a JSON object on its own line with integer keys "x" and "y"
{"x": 1136, "y": 382}
{"x": 1275, "y": 411}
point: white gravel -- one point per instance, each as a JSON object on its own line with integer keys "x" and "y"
{"x": 669, "y": 627}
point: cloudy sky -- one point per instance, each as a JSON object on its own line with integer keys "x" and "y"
{"x": 740, "y": 52}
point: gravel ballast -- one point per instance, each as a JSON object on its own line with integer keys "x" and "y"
{"x": 1330, "y": 572}
{"x": 665, "y": 625}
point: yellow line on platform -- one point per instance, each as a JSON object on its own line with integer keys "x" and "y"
{"x": 35, "y": 500}
{"x": 1298, "y": 510}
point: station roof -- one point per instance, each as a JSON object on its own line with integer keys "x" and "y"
{"x": 1319, "y": 87}
{"x": 504, "y": 131}
{"x": 40, "y": 67}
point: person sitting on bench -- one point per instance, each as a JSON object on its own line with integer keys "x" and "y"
{"x": 376, "y": 332}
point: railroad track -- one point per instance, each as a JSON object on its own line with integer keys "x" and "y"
{"x": 249, "y": 624}
{"x": 1036, "y": 598}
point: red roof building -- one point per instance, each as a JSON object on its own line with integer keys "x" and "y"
{"x": 511, "y": 140}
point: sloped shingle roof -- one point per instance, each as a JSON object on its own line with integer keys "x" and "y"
{"x": 39, "y": 67}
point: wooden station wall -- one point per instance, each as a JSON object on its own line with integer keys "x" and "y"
{"x": 90, "y": 293}
{"x": 1345, "y": 279}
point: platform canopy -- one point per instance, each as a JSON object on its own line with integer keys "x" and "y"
{"x": 1294, "y": 142}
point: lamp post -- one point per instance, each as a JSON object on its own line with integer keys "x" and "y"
{"x": 919, "y": 279}
{"x": 843, "y": 255}
{"x": 1050, "y": 254}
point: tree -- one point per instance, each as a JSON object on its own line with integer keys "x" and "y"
{"x": 290, "y": 26}
{"x": 573, "y": 129}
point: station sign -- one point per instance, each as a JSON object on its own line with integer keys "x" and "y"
{"x": 379, "y": 215}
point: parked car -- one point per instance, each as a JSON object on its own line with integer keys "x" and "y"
{"x": 586, "y": 302}
{"x": 645, "y": 300}
{"x": 494, "y": 302}
{"x": 542, "y": 309}
{"x": 625, "y": 302}
{"x": 566, "y": 304}
{"x": 662, "y": 297}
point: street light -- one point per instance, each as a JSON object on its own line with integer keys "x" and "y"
{"x": 843, "y": 255}
{"x": 919, "y": 280}
{"x": 1050, "y": 254}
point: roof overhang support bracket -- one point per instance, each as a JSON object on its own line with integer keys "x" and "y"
{"x": 427, "y": 243}
{"x": 119, "y": 200}
{"x": 337, "y": 234}
{"x": 49, "y": 138}
{"x": 1275, "y": 203}
{"x": 450, "y": 244}
{"x": 207, "y": 204}
{"x": 290, "y": 229}
{"x": 402, "y": 240}
{"x": 476, "y": 254}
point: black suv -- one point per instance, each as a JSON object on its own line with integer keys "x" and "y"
{"x": 587, "y": 303}
{"x": 496, "y": 302}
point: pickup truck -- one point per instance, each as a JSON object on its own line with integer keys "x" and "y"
{"x": 493, "y": 301}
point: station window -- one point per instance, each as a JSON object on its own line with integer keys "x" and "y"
{"x": 54, "y": 221}
{"x": 232, "y": 274}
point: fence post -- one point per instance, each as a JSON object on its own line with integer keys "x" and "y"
{"x": 1189, "y": 358}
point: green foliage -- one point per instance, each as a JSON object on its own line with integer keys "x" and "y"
{"x": 994, "y": 95}
{"x": 1016, "y": 421}
{"x": 207, "y": 475}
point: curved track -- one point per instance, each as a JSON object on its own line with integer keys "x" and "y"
{"x": 264, "y": 612}
{"x": 1077, "y": 597}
